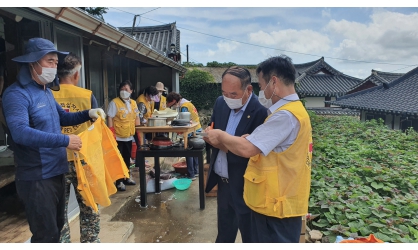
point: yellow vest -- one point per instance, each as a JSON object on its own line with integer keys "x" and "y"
{"x": 73, "y": 99}
{"x": 278, "y": 184}
{"x": 148, "y": 105}
{"x": 124, "y": 123}
{"x": 163, "y": 103}
{"x": 104, "y": 165}
{"x": 193, "y": 113}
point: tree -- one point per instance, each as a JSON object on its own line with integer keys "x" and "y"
{"x": 195, "y": 78}
{"x": 95, "y": 11}
{"x": 192, "y": 64}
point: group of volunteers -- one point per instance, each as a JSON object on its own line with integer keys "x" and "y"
{"x": 261, "y": 145}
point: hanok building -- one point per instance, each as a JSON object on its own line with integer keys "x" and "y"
{"x": 164, "y": 38}
{"x": 318, "y": 82}
{"x": 376, "y": 78}
{"x": 109, "y": 57}
{"x": 395, "y": 102}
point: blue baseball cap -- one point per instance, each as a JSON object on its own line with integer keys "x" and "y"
{"x": 36, "y": 48}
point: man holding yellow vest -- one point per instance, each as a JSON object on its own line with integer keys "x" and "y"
{"x": 277, "y": 179}
{"x": 73, "y": 99}
{"x": 122, "y": 117}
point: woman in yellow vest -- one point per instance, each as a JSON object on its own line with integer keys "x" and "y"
{"x": 145, "y": 104}
{"x": 123, "y": 116}
{"x": 278, "y": 177}
{"x": 73, "y": 99}
{"x": 162, "y": 104}
{"x": 175, "y": 100}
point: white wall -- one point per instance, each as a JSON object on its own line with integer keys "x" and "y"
{"x": 315, "y": 102}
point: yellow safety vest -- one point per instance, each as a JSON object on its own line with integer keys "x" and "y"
{"x": 148, "y": 105}
{"x": 278, "y": 184}
{"x": 124, "y": 121}
{"x": 104, "y": 165}
{"x": 193, "y": 113}
{"x": 73, "y": 99}
{"x": 163, "y": 103}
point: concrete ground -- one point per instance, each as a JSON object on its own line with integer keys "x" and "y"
{"x": 172, "y": 216}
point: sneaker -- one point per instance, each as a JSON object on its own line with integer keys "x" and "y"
{"x": 196, "y": 175}
{"x": 192, "y": 178}
{"x": 129, "y": 181}
{"x": 121, "y": 186}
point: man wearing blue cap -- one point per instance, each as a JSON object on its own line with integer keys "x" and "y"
{"x": 34, "y": 119}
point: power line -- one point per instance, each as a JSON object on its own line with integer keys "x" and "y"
{"x": 266, "y": 47}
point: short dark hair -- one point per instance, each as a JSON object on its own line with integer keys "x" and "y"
{"x": 150, "y": 90}
{"x": 280, "y": 66}
{"x": 126, "y": 82}
{"x": 242, "y": 73}
{"x": 173, "y": 96}
{"x": 68, "y": 66}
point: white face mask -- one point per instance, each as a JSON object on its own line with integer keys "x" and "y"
{"x": 48, "y": 74}
{"x": 262, "y": 98}
{"x": 234, "y": 103}
{"x": 124, "y": 94}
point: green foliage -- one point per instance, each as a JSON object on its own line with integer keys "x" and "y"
{"x": 364, "y": 179}
{"x": 220, "y": 65}
{"x": 197, "y": 86}
{"x": 191, "y": 64}
{"x": 195, "y": 78}
{"x": 95, "y": 11}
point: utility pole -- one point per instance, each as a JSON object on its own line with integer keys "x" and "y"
{"x": 132, "y": 31}
{"x": 187, "y": 52}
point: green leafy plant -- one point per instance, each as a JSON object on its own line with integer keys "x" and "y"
{"x": 364, "y": 179}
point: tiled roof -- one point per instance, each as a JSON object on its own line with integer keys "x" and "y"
{"x": 318, "y": 78}
{"x": 398, "y": 97}
{"x": 334, "y": 111}
{"x": 378, "y": 78}
{"x": 160, "y": 37}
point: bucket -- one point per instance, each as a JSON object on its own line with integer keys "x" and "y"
{"x": 133, "y": 151}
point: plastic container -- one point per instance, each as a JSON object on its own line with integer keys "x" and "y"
{"x": 182, "y": 184}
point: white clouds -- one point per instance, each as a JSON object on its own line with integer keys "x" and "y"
{"x": 389, "y": 36}
{"x": 302, "y": 41}
{"x": 326, "y": 12}
{"x": 224, "y": 48}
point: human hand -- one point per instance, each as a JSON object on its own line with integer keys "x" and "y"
{"x": 75, "y": 143}
{"x": 243, "y": 136}
{"x": 95, "y": 113}
{"x": 212, "y": 137}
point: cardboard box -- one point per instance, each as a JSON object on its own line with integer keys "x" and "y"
{"x": 214, "y": 191}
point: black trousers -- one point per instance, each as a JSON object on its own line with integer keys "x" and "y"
{"x": 125, "y": 148}
{"x": 44, "y": 202}
{"x": 268, "y": 229}
{"x": 229, "y": 218}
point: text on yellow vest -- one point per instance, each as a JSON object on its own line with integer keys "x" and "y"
{"x": 73, "y": 99}
{"x": 148, "y": 105}
{"x": 278, "y": 184}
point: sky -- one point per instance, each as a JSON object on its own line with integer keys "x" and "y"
{"x": 353, "y": 40}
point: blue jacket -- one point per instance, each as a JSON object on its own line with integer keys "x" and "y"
{"x": 254, "y": 115}
{"x": 34, "y": 119}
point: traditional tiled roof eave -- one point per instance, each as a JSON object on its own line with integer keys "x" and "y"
{"x": 398, "y": 97}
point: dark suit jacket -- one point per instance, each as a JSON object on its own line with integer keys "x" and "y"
{"x": 253, "y": 116}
